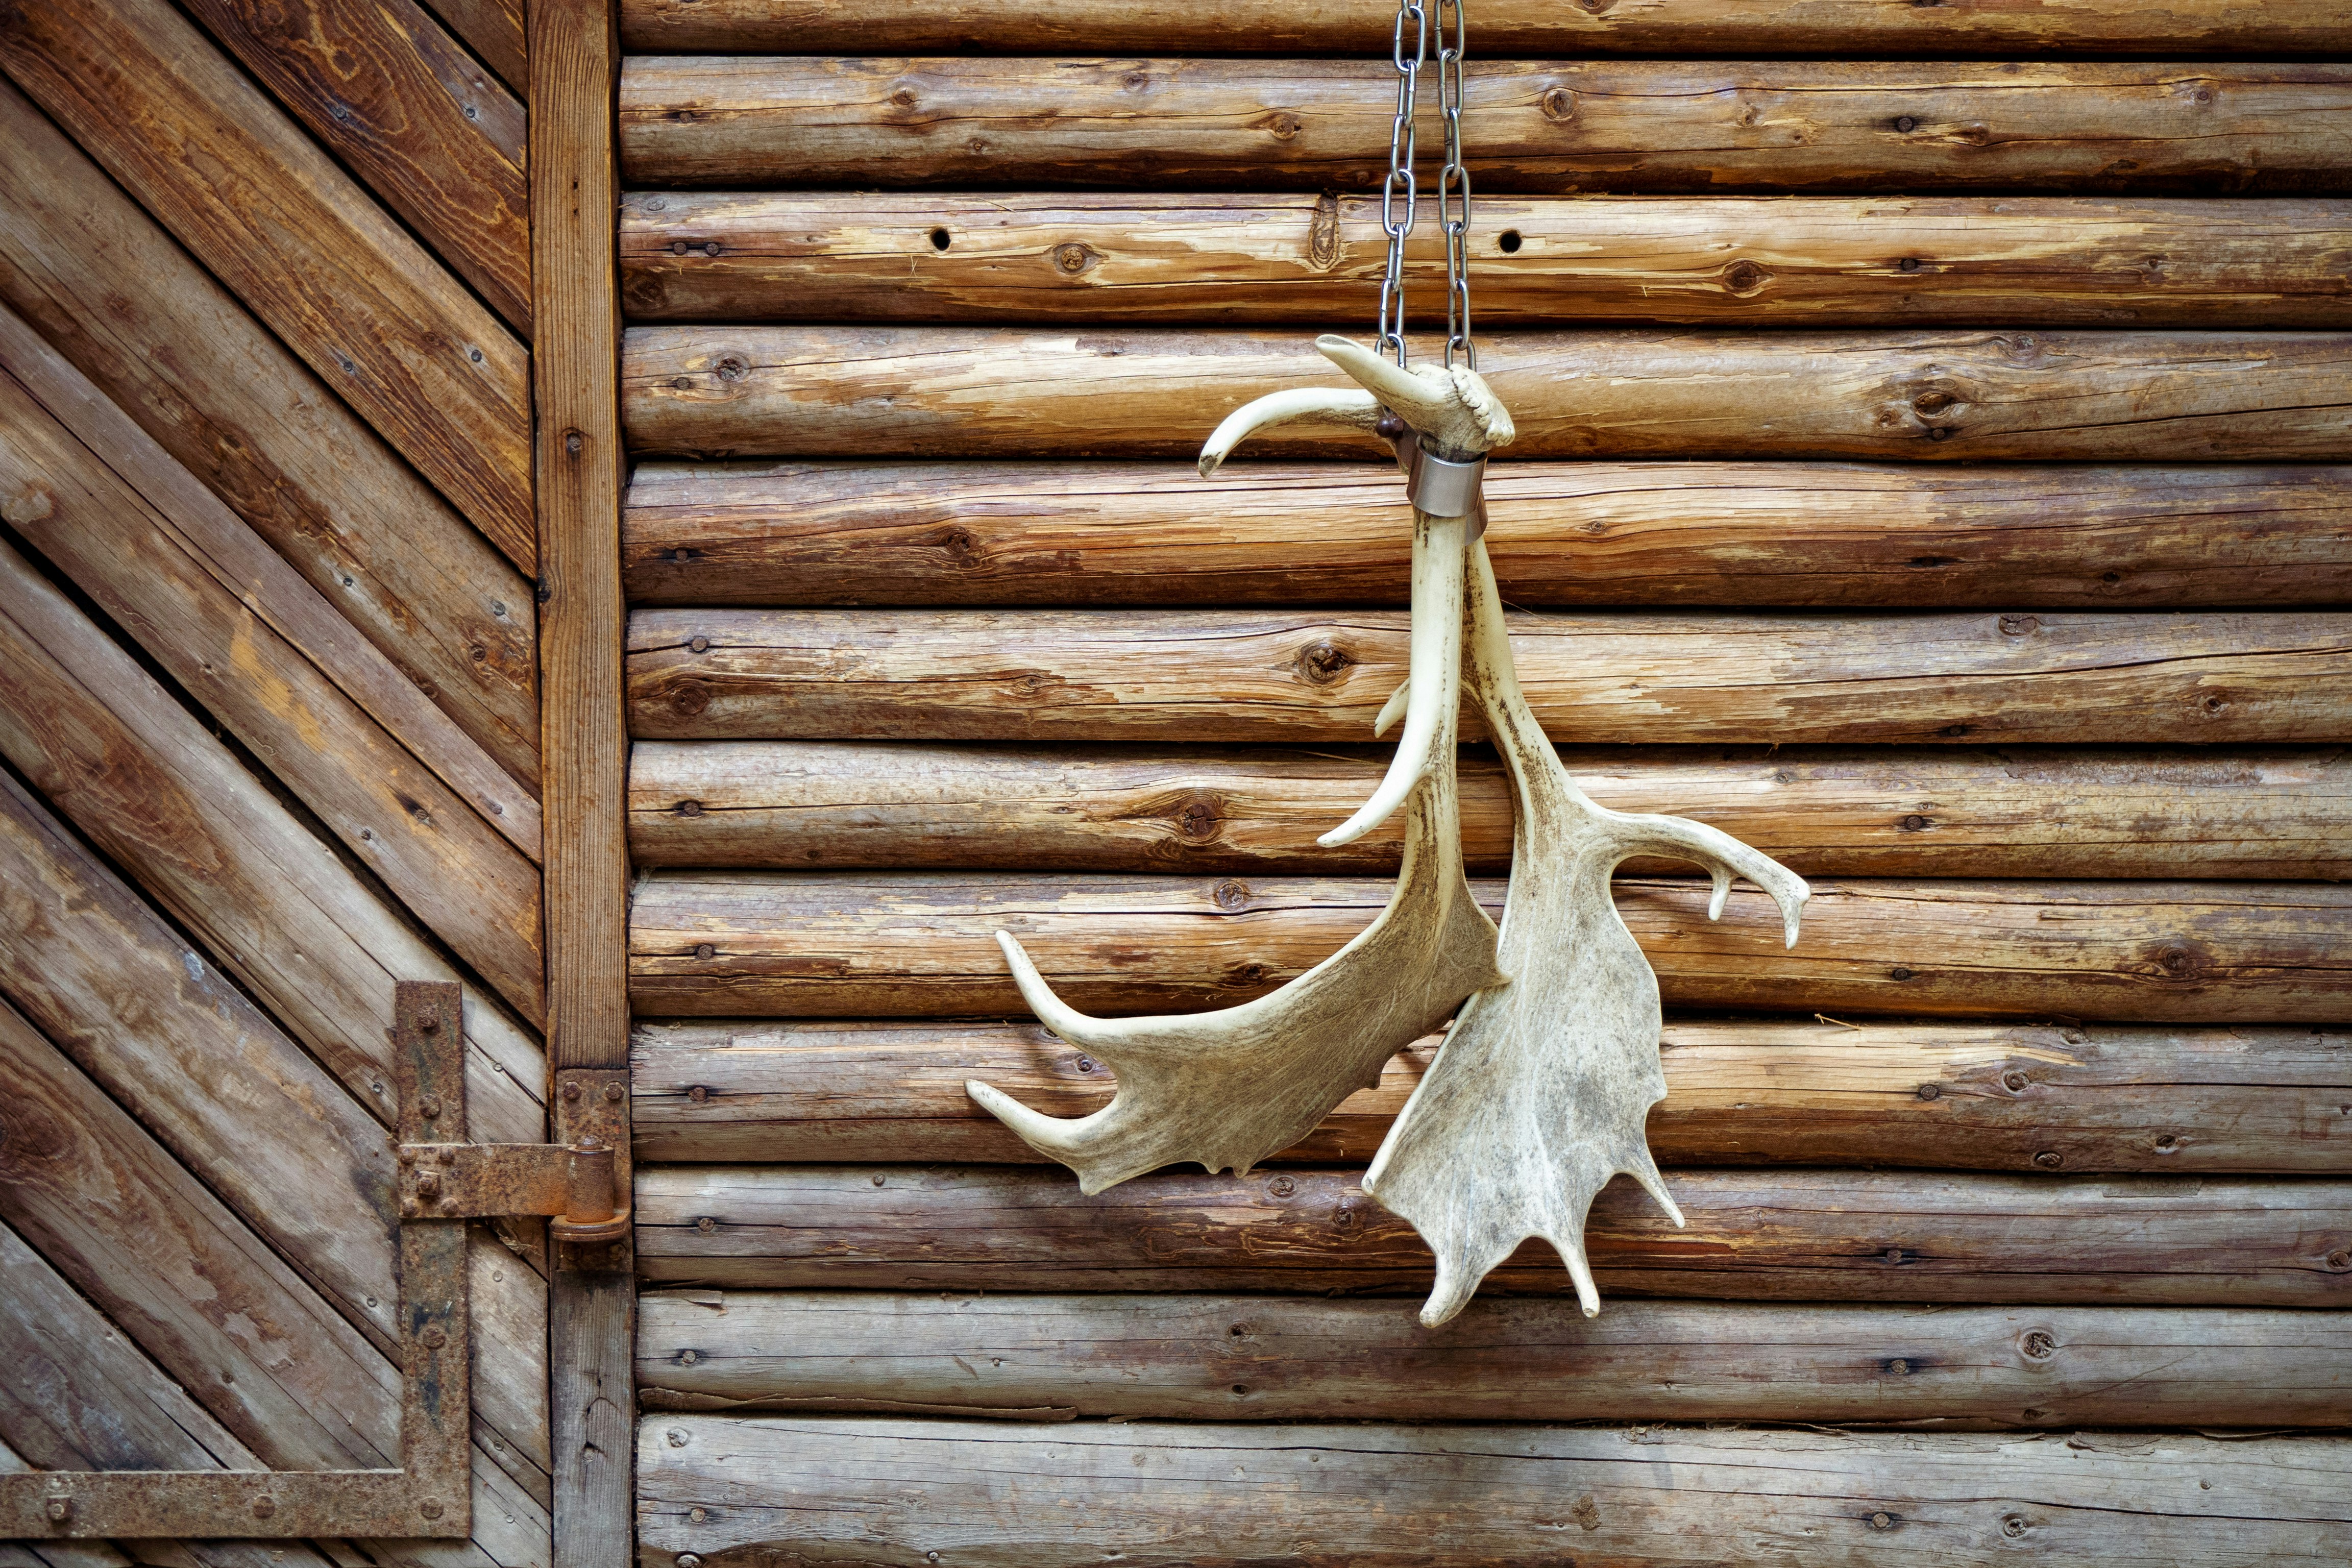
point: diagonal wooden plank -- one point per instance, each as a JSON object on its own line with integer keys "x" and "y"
{"x": 242, "y": 562}
{"x": 494, "y": 30}
{"x": 274, "y": 1137}
{"x": 119, "y": 298}
{"x": 208, "y": 1299}
{"x": 295, "y": 237}
{"x": 442, "y": 860}
{"x": 435, "y": 136}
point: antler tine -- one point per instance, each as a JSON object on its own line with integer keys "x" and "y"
{"x": 1454, "y": 409}
{"x": 1436, "y": 657}
{"x": 1295, "y": 406}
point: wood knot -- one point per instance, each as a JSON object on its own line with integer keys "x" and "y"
{"x": 1231, "y": 896}
{"x": 731, "y": 369}
{"x": 1071, "y": 260}
{"x": 2019, "y": 625}
{"x": 1321, "y": 662}
{"x": 2179, "y": 959}
{"x": 2037, "y": 1344}
{"x": 2049, "y": 1159}
{"x": 1744, "y": 278}
{"x": 1323, "y": 231}
{"x": 689, "y": 698}
{"x": 1136, "y": 82}
{"x": 1930, "y": 403}
{"x": 1914, "y": 822}
{"x": 2017, "y": 1081}
{"x": 903, "y": 99}
{"x": 1282, "y": 124}
{"x": 2339, "y": 1260}
{"x": 1587, "y": 1513}
{"x": 1282, "y": 1186}
{"x": 1559, "y": 105}
{"x": 959, "y": 543}
{"x": 1197, "y": 816}
{"x": 1246, "y": 974}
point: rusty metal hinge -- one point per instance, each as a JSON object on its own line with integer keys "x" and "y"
{"x": 444, "y": 1182}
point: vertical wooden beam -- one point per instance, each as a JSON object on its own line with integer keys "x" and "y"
{"x": 575, "y": 64}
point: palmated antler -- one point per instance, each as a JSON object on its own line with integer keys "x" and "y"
{"x": 1229, "y": 1088}
{"x": 1540, "y": 1092}
{"x": 1452, "y": 415}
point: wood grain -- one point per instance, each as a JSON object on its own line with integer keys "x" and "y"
{"x": 214, "y": 634}
{"x": 113, "y": 294}
{"x": 250, "y": 1121}
{"x": 1163, "y": 1496}
{"x": 851, "y": 944}
{"x": 1730, "y": 261}
{"x": 2073, "y": 677}
{"x": 1826, "y": 535}
{"x": 436, "y": 138}
{"x": 1841, "y": 1236}
{"x": 1746, "y": 28}
{"x": 494, "y": 30}
{"x": 297, "y": 239}
{"x": 1274, "y": 1358}
{"x": 210, "y": 1300}
{"x": 121, "y": 757}
{"x": 1879, "y": 810}
{"x": 1747, "y": 1091}
{"x": 1530, "y": 127}
{"x": 1938, "y": 396}
{"x": 573, "y": 193}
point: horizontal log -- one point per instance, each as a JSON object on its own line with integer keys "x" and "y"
{"x": 2075, "y": 677}
{"x": 1528, "y": 127}
{"x": 1877, "y": 811}
{"x": 1826, "y": 535}
{"x": 1002, "y": 391}
{"x": 1985, "y": 1097}
{"x": 1171, "y": 1496}
{"x": 1844, "y": 1236}
{"x": 1864, "y": 28}
{"x": 877, "y": 944}
{"x": 1261, "y": 1358}
{"x": 1737, "y": 261}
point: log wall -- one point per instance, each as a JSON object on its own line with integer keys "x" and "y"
{"x": 270, "y": 738}
{"x": 1929, "y": 468}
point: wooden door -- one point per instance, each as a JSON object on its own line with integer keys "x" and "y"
{"x": 267, "y": 705}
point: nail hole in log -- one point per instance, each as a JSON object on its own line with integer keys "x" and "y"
{"x": 939, "y": 239}
{"x": 1508, "y": 240}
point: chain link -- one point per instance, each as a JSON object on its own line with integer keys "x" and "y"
{"x": 1413, "y": 21}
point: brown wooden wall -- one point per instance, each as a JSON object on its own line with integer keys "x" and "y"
{"x": 1931, "y": 468}
{"x": 269, "y": 733}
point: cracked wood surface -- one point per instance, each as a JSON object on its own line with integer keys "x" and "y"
{"x": 1870, "y": 28}
{"x": 908, "y": 944}
{"x": 1827, "y": 535}
{"x": 1064, "y": 676}
{"x": 1154, "y": 1495}
{"x": 1742, "y": 1091}
{"x": 1771, "y": 261}
{"x": 1530, "y": 127}
{"x": 1260, "y": 1358}
{"x": 1946, "y": 395}
{"x": 1753, "y": 1235}
{"x": 1879, "y": 810}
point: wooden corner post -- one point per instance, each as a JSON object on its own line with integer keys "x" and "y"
{"x": 574, "y": 206}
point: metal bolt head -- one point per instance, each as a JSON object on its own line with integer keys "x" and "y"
{"x": 434, "y": 1338}
{"x": 706, "y": 1225}
{"x": 613, "y": 1091}
{"x": 688, "y": 1560}
{"x": 430, "y": 1508}
{"x": 60, "y": 1510}
{"x": 2049, "y": 1159}
{"x": 429, "y": 1107}
{"x": 1882, "y": 1520}
{"x": 428, "y": 1182}
{"x": 1282, "y": 1186}
{"x": 697, "y": 1516}
{"x": 264, "y": 1506}
{"x": 2014, "y": 1525}
{"x": 571, "y": 1091}
{"x": 676, "y": 1436}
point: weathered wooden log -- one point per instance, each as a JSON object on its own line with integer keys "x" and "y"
{"x": 1878, "y": 811}
{"x": 262, "y": 206}
{"x": 1653, "y": 127}
{"x": 142, "y": 780}
{"x": 437, "y": 138}
{"x": 268, "y": 1356}
{"x": 2141, "y": 677}
{"x": 1819, "y": 534}
{"x": 1000, "y": 392}
{"x": 1261, "y": 1358}
{"x": 1987, "y": 1098}
{"x": 1844, "y": 1236}
{"x": 1742, "y": 261}
{"x": 254, "y": 1122}
{"x": 1722, "y": 27}
{"x": 847, "y": 944}
{"x": 103, "y": 284}
{"x": 81, "y": 1396}
{"x": 1159, "y": 1496}
{"x": 437, "y": 850}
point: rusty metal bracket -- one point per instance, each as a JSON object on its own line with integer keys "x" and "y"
{"x": 431, "y": 1495}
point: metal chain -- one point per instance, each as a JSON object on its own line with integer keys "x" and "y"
{"x": 1453, "y": 188}
{"x": 1453, "y": 182}
{"x": 1410, "y": 18}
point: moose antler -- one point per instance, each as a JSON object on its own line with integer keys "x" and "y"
{"x": 1450, "y": 412}
{"x": 1229, "y": 1088}
{"x": 1539, "y": 1094}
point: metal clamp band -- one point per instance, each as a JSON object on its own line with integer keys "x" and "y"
{"x": 1440, "y": 487}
